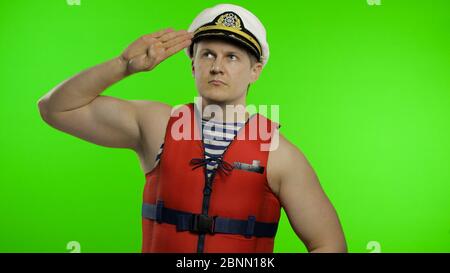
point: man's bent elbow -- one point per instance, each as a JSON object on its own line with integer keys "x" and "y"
{"x": 42, "y": 108}
{"x": 330, "y": 248}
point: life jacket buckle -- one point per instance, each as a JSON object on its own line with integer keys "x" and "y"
{"x": 202, "y": 223}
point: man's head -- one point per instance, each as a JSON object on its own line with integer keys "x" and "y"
{"x": 227, "y": 62}
{"x": 229, "y": 45}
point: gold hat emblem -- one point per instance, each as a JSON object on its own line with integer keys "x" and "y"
{"x": 229, "y": 20}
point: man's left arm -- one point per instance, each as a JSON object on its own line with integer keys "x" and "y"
{"x": 310, "y": 212}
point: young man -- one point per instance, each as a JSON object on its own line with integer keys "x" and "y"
{"x": 222, "y": 191}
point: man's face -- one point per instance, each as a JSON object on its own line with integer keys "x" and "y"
{"x": 223, "y": 71}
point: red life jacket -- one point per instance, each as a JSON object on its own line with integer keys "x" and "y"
{"x": 233, "y": 211}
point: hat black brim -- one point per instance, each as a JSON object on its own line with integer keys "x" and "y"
{"x": 226, "y": 36}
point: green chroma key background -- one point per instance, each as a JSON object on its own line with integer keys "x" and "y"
{"x": 364, "y": 92}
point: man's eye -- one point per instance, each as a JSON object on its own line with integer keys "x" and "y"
{"x": 233, "y": 57}
{"x": 207, "y": 54}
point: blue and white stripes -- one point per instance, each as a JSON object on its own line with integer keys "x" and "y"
{"x": 158, "y": 157}
{"x": 216, "y": 138}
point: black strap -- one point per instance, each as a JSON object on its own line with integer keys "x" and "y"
{"x": 199, "y": 223}
{"x": 222, "y": 165}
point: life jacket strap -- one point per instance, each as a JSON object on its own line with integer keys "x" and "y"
{"x": 199, "y": 223}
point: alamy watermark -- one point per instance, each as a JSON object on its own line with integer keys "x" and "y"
{"x": 374, "y": 247}
{"x": 73, "y": 2}
{"x": 257, "y": 129}
{"x": 73, "y": 247}
{"x": 374, "y": 2}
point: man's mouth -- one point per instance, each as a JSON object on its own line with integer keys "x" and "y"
{"x": 217, "y": 82}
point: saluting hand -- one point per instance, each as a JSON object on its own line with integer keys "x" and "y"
{"x": 149, "y": 50}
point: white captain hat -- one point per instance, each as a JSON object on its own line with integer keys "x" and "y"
{"x": 231, "y": 22}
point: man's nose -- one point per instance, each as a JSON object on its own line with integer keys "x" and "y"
{"x": 216, "y": 67}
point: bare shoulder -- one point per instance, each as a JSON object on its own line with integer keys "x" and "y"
{"x": 151, "y": 109}
{"x": 281, "y": 147}
{"x": 284, "y": 160}
{"x": 153, "y": 117}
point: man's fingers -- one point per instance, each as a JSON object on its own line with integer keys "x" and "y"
{"x": 171, "y": 35}
{"x": 157, "y": 47}
{"x": 165, "y": 35}
{"x": 177, "y": 40}
{"x": 158, "y": 34}
{"x": 174, "y": 49}
{"x": 162, "y": 32}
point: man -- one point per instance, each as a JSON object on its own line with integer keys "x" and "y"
{"x": 221, "y": 192}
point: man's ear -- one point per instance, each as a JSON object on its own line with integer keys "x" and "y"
{"x": 255, "y": 71}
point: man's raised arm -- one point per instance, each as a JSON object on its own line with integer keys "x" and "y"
{"x": 75, "y": 106}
